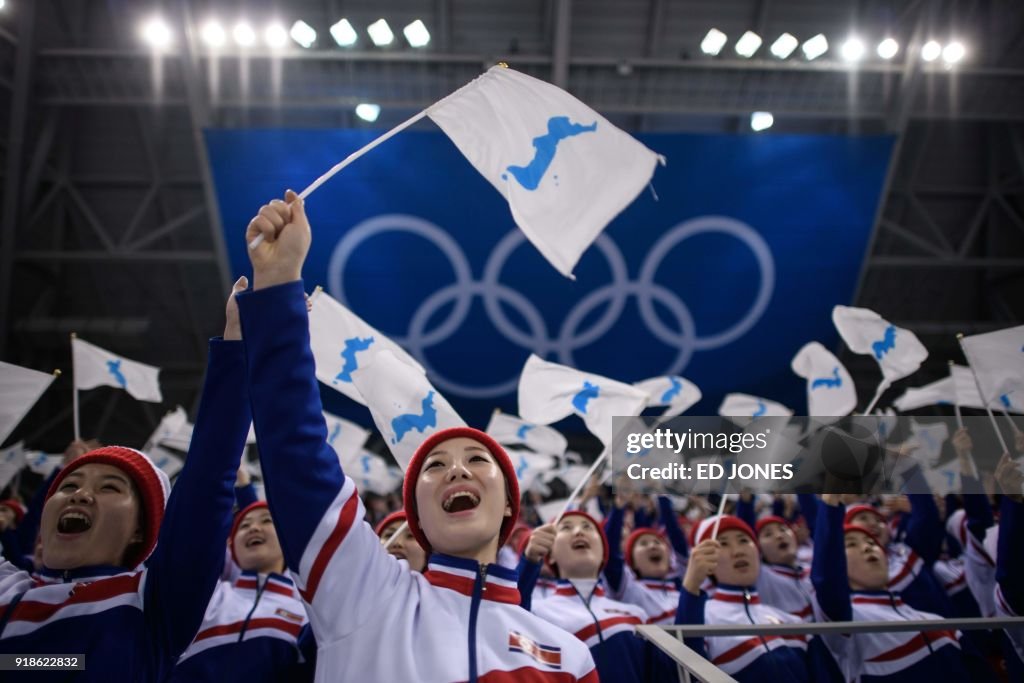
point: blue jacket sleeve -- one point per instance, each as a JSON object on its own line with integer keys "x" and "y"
{"x": 529, "y": 572}
{"x": 809, "y": 509}
{"x": 641, "y": 518}
{"x": 828, "y": 566}
{"x": 976, "y": 507}
{"x": 184, "y": 568}
{"x": 924, "y": 526}
{"x": 613, "y": 530}
{"x": 1010, "y": 553}
{"x": 245, "y": 496}
{"x": 301, "y": 471}
{"x": 745, "y": 511}
{"x": 671, "y": 523}
{"x": 691, "y": 612}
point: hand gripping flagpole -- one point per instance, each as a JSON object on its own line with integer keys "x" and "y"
{"x": 999, "y": 434}
{"x": 579, "y": 487}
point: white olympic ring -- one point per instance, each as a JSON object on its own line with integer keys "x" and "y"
{"x": 569, "y": 338}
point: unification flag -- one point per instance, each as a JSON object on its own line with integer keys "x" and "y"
{"x": 43, "y": 464}
{"x": 371, "y": 473}
{"x": 531, "y": 468}
{"x": 20, "y": 388}
{"x": 95, "y": 367}
{"x": 12, "y": 460}
{"x": 343, "y": 344}
{"x": 169, "y": 462}
{"x": 406, "y": 408}
{"x": 897, "y": 351}
{"x": 745, "y": 405}
{"x": 509, "y": 430}
{"x": 830, "y": 390}
{"x": 675, "y": 393}
{"x": 997, "y": 358}
{"x": 958, "y": 388}
{"x": 965, "y": 389}
{"x": 929, "y": 437}
{"x": 345, "y": 437}
{"x": 173, "y": 426}
{"x": 565, "y": 171}
{"x": 549, "y": 392}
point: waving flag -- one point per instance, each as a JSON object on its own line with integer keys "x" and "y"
{"x": 343, "y": 344}
{"x": 830, "y": 390}
{"x": 173, "y": 425}
{"x": 997, "y": 358}
{"x": 898, "y": 351}
{"x": 42, "y": 463}
{"x": 677, "y": 393}
{"x": 959, "y": 388}
{"x": 745, "y": 405}
{"x": 929, "y": 439}
{"x": 549, "y": 392}
{"x": 509, "y": 430}
{"x": 965, "y": 389}
{"x": 12, "y": 460}
{"x": 406, "y": 408}
{"x": 371, "y": 473}
{"x": 565, "y": 171}
{"x": 96, "y": 367}
{"x": 169, "y": 462}
{"x": 20, "y": 388}
{"x": 531, "y": 468}
{"x": 345, "y": 437}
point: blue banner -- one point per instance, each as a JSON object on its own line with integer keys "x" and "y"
{"x": 737, "y": 263}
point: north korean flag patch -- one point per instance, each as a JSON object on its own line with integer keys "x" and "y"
{"x": 548, "y": 655}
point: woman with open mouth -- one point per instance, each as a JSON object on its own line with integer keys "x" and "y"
{"x": 374, "y": 619}
{"x": 405, "y": 547}
{"x": 104, "y": 516}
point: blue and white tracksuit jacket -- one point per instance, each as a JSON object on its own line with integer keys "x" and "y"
{"x": 375, "y": 620}
{"x": 1009, "y": 591}
{"x": 250, "y": 633}
{"x": 132, "y": 625}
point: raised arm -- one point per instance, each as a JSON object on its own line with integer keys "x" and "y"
{"x": 1010, "y": 550}
{"x": 828, "y": 567}
{"x": 925, "y": 529}
{"x": 808, "y": 504}
{"x": 613, "y": 571}
{"x": 537, "y": 548}
{"x": 671, "y": 523}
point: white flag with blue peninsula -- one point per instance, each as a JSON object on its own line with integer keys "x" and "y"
{"x": 674, "y": 392}
{"x": 20, "y": 388}
{"x": 549, "y": 392}
{"x": 830, "y": 390}
{"x": 747, "y": 406}
{"x": 565, "y": 171}
{"x": 96, "y": 367}
{"x": 531, "y": 468}
{"x": 343, "y": 344}
{"x": 345, "y": 437}
{"x": 897, "y": 351}
{"x": 997, "y": 358}
{"x": 371, "y": 473}
{"x": 510, "y": 430}
{"x": 406, "y": 408}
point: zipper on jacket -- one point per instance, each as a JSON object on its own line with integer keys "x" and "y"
{"x": 586, "y": 603}
{"x": 746, "y": 608}
{"x": 474, "y": 606}
{"x": 259, "y": 593}
{"x": 924, "y": 634}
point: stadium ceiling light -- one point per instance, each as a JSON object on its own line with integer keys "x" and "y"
{"x": 380, "y": 33}
{"x": 931, "y": 51}
{"x": 761, "y": 120}
{"x": 243, "y": 34}
{"x": 852, "y": 50}
{"x": 416, "y": 34}
{"x": 275, "y": 36}
{"x": 343, "y": 33}
{"x": 157, "y": 33}
{"x": 213, "y": 34}
{"x": 2, "y": 4}
{"x": 953, "y": 52}
{"x": 368, "y": 112}
{"x": 748, "y": 44}
{"x": 784, "y": 45}
{"x": 713, "y": 42}
{"x": 815, "y": 47}
{"x": 303, "y": 34}
{"x": 888, "y": 48}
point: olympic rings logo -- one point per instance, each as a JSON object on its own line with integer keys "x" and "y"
{"x": 613, "y": 296}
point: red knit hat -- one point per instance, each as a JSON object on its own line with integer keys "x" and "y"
{"x": 635, "y": 536}
{"x": 600, "y": 532}
{"x": 855, "y": 510}
{"x": 16, "y": 507}
{"x": 703, "y": 530}
{"x": 770, "y": 519}
{"x": 150, "y": 481}
{"x": 239, "y": 516}
{"x": 397, "y": 516}
{"x": 847, "y": 528}
{"x": 412, "y": 473}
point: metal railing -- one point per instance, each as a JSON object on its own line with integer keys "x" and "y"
{"x": 692, "y": 665}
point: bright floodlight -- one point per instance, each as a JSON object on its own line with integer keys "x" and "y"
{"x": 852, "y": 50}
{"x": 157, "y": 33}
{"x": 2, "y": 4}
{"x": 275, "y": 35}
{"x": 213, "y": 34}
{"x": 931, "y": 51}
{"x": 815, "y": 47}
{"x": 713, "y": 42}
{"x": 243, "y": 34}
{"x": 344, "y": 34}
{"x": 784, "y": 45}
{"x": 368, "y": 112}
{"x": 888, "y": 48}
{"x": 953, "y": 52}
{"x": 748, "y": 43}
{"x": 761, "y": 120}
{"x": 417, "y": 34}
{"x": 303, "y": 34}
{"x": 380, "y": 33}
